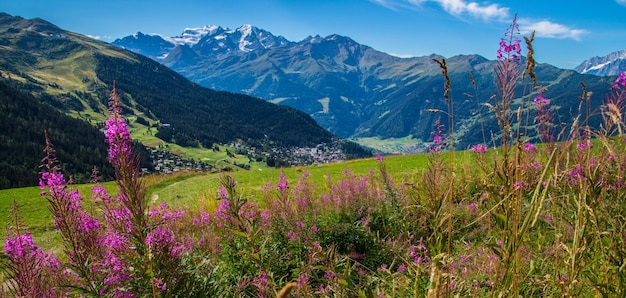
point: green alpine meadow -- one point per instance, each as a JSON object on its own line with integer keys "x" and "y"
{"x": 122, "y": 178}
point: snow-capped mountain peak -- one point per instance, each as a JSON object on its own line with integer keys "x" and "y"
{"x": 209, "y": 40}
{"x": 245, "y": 31}
{"x": 609, "y": 65}
{"x": 192, "y": 36}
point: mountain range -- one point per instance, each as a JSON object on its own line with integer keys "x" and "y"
{"x": 609, "y": 65}
{"x": 74, "y": 74}
{"x": 351, "y": 89}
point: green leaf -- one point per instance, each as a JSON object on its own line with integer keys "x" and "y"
{"x": 500, "y": 219}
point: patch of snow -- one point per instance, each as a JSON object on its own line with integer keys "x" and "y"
{"x": 325, "y": 103}
{"x": 192, "y": 36}
{"x": 245, "y": 30}
{"x": 599, "y": 66}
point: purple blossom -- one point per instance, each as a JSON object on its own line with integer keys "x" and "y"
{"x": 160, "y": 285}
{"x": 479, "y": 148}
{"x": 19, "y": 245}
{"x": 116, "y": 132}
{"x": 159, "y": 238}
{"x": 265, "y": 215}
{"x": 221, "y": 214}
{"x": 205, "y": 219}
{"x": 303, "y": 280}
{"x": 438, "y": 136}
{"x": 520, "y": 184}
{"x": 620, "y": 82}
{"x": 382, "y": 268}
{"x": 575, "y": 175}
{"x": 510, "y": 48}
{"x": 261, "y": 282}
{"x": 114, "y": 241}
{"x": 222, "y": 193}
{"x": 178, "y": 250}
{"x": 541, "y": 102}
{"x": 292, "y": 236}
{"x": 118, "y": 138}
{"x": 282, "y": 183}
{"x": 584, "y": 145}
{"x": 419, "y": 253}
{"x": 32, "y": 269}
{"x": 530, "y": 147}
{"x": 543, "y": 118}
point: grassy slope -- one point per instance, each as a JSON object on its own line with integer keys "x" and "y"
{"x": 198, "y": 190}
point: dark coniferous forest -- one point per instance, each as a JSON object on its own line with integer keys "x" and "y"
{"x": 201, "y": 116}
{"x": 79, "y": 146}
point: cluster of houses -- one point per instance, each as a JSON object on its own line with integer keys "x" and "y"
{"x": 165, "y": 162}
{"x": 293, "y": 156}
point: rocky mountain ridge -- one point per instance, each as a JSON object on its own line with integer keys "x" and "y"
{"x": 358, "y": 92}
{"x": 608, "y": 65}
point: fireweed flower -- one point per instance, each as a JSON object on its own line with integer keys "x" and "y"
{"x": 530, "y": 147}
{"x": 543, "y": 118}
{"x": 159, "y": 238}
{"x": 508, "y": 73}
{"x": 282, "y": 183}
{"x": 116, "y": 133}
{"x": 584, "y": 145}
{"x": 378, "y": 156}
{"x": 303, "y": 280}
{"x": 33, "y": 272}
{"x": 222, "y": 193}
{"x": 438, "y": 136}
{"x": 479, "y": 148}
{"x": 160, "y": 285}
{"x": 510, "y": 44}
{"x": 292, "y": 236}
{"x": 261, "y": 282}
{"x": 221, "y": 214}
{"x": 620, "y": 82}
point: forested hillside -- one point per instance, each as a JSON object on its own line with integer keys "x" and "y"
{"x": 79, "y": 146}
{"x": 201, "y": 116}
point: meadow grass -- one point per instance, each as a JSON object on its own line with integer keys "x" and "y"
{"x": 196, "y": 189}
{"x": 519, "y": 220}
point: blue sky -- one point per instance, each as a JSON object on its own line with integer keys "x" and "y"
{"x": 567, "y": 32}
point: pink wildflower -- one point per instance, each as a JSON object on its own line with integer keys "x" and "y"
{"x": 282, "y": 183}
{"x": 620, "y": 82}
{"x": 479, "y": 148}
{"x": 222, "y": 193}
{"x": 530, "y": 147}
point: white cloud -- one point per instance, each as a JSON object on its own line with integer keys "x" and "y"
{"x": 493, "y": 11}
{"x": 474, "y": 9}
{"x": 94, "y": 36}
{"x": 459, "y": 8}
{"x": 549, "y": 29}
{"x": 621, "y": 2}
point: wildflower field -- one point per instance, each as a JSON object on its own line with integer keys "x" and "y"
{"x": 506, "y": 219}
